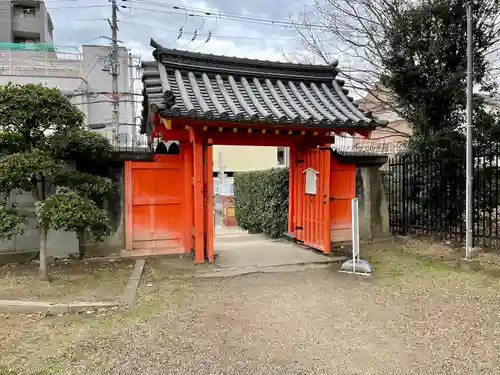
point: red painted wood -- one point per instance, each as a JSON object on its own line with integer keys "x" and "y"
{"x": 291, "y": 189}
{"x": 187, "y": 167}
{"x": 199, "y": 204}
{"x": 128, "y": 205}
{"x": 325, "y": 214}
{"x": 343, "y": 189}
{"x": 154, "y": 207}
{"x": 169, "y": 201}
{"x": 200, "y": 123}
{"x": 209, "y": 205}
{"x": 267, "y": 139}
{"x": 312, "y": 211}
{"x": 172, "y": 134}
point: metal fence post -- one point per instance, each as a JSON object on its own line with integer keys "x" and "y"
{"x": 404, "y": 195}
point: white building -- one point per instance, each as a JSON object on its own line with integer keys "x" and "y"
{"x": 82, "y": 75}
{"x": 25, "y": 21}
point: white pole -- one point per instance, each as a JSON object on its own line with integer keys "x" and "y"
{"x": 469, "y": 156}
{"x": 355, "y": 233}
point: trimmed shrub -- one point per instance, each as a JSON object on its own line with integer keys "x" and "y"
{"x": 261, "y": 201}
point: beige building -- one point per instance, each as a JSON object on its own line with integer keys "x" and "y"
{"x": 232, "y": 159}
{"x": 395, "y": 135}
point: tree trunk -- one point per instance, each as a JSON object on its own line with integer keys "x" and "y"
{"x": 43, "y": 273}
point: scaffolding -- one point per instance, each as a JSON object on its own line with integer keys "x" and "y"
{"x": 40, "y": 59}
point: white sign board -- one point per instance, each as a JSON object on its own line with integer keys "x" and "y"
{"x": 311, "y": 179}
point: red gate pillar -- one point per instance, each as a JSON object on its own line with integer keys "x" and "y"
{"x": 209, "y": 201}
{"x": 327, "y": 238}
{"x": 198, "y": 195}
{"x": 188, "y": 210}
{"x": 129, "y": 245}
{"x": 291, "y": 189}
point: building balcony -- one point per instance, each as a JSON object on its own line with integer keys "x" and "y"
{"x": 28, "y": 26}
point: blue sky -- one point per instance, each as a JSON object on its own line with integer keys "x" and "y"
{"x": 84, "y": 21}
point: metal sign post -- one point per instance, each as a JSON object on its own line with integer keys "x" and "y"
{"x": 469, "y": 146}
{"x": 356, "y": 265}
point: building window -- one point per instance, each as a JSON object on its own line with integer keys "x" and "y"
{"x": 29, "y": 12}
{"x": 26, "y": 41}
{"x": 281, "y": 156}
{"x": 123, "y": 139}
{"x": 25, "y": 11}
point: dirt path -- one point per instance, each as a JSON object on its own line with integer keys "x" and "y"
{"x": 414, "y": 318}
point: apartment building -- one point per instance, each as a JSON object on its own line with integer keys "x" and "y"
{"x": 388, "y": 140}
{"x": 83, "y": 75}
{"x": 28, "y": 55}
{"x": 25, "y": 21}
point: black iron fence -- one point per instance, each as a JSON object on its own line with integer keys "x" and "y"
{"x": 427, "y": 196}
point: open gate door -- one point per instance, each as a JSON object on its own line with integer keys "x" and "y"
{"x": 343, "y": 189}
{"x": 312, "y": 198}
{"x": 154, "y": 207}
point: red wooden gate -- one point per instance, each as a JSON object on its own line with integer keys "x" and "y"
{"x": 343, "y": 189}
{"x": 154, "y": 206}
{"x": 312, "y": 211}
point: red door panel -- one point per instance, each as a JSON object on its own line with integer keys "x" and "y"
{"x": 310, "y": 209}
{"x": 157, "y": 195}
{"x": 343, "y": 189}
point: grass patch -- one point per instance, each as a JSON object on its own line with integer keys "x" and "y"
{"x": 58, "y": 334}
{"x": 395, "y": 261}
{"x": 52, "y": 369}
{"x": 6, "y": 371}
{"x": 71, "y": 281}
{"x": 399, "y": 263}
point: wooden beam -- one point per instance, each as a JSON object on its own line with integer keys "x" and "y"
{"x": 200, "y": 123}
{"x": 171, "y": 134}
{"x": 266, "y": 139}
{"x": 364, "y": 132}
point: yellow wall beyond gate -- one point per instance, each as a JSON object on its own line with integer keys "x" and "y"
{"x": 244, "y": 158}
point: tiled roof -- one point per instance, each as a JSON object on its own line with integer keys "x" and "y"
{"x": 194, "y": 85}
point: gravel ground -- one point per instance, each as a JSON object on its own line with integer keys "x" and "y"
{"x": 413, "y": 318}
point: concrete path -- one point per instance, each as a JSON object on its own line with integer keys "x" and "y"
{"x": 236, "y": 249}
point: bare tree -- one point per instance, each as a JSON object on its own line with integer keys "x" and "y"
{"x": 358, "y": 33}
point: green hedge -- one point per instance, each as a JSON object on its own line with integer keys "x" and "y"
{"x": 261, "y": 201}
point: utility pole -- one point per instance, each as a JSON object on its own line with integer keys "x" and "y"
{"x": 469, "y": 150}
{"x": 115, "y": 66}
{"x": 131, "y": 75}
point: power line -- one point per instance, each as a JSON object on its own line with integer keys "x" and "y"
{"x": 162, "y": 8}
{"x": 72, "y": 95}
{"x": 169, "y": 30}
{"x": 205, "y": 35}
{"x": 108, "y": 101}
{"x": 221, "y": 15}
{"x": 79, "y": 7}
{"x": 291, "y": 26}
